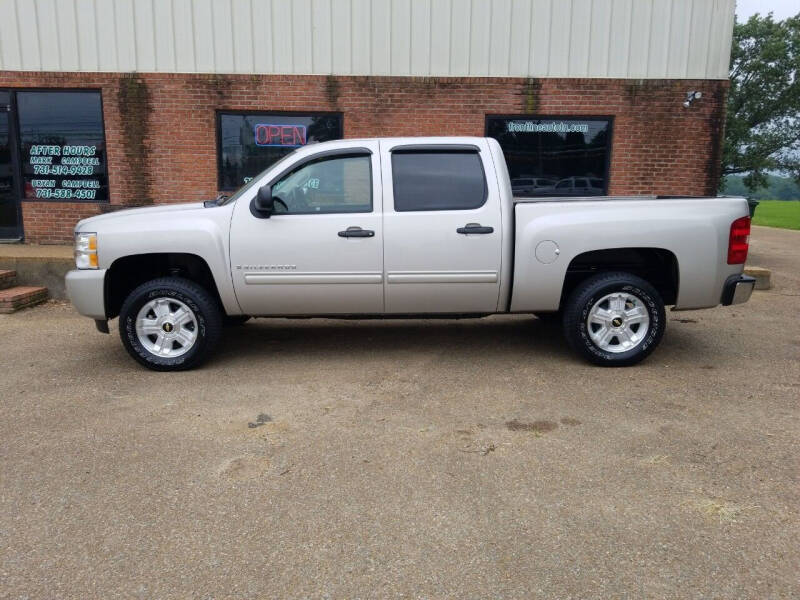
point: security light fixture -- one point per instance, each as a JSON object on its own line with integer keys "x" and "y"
{"x": 691, "y": 96}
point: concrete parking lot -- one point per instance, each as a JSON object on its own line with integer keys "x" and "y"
{"x": 407, "y": 459}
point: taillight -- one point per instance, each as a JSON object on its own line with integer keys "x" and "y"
{"x": 739, "y": 241}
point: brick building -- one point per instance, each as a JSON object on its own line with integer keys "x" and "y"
{"x": 106, "y": 104}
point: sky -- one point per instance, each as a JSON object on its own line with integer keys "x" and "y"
{"x": 780, "y": 8}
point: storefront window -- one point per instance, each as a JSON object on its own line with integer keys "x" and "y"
{"x": 251, "y": 142}
{"x": 554, "y": 156}
{"x": 62, "y": 146}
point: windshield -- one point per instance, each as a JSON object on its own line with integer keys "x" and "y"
{"x": 254, "y": 180}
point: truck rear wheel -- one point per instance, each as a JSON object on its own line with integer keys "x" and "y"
{"x": 170, "y": 324}
{"x": 614, "y": 319}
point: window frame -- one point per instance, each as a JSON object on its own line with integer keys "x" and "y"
{"x": 17, "y": 144}
{"x": 218, "y": 114}
{"x": 570, "y": 117}
{"x": 437, "y": 149}
{"x": 353, "y": 151}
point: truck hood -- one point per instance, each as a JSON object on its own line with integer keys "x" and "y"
{"x": 118, "y": 215}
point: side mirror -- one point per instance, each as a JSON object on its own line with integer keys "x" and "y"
{"x": 264, "y": 203}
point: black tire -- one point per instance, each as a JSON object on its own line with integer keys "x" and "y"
{"x": 234, "y": 320}
{"x": 207, "y": 315}
{"x": 589, "y": 293}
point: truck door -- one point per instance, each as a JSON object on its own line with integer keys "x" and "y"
{"x": 321, "y": 251}
{"x": 442, "y": 228}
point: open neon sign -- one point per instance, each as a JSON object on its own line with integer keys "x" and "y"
{"x": 280, "y": 135}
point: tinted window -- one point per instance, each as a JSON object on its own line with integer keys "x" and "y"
{"x": 8, "y": 200}
{"x": 437, "y": 181}
{"x": 249, "y": 143}
{"x": 334, "y": 185}
{"x": 556, "y": 149}
{"x": 62, "y": 145}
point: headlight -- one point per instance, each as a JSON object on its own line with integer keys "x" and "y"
{"x": 86, "y": 250}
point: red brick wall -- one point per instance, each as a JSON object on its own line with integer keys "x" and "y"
{"x": 161, "y": 138}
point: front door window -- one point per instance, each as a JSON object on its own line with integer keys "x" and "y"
{"x": 336, "y": 185}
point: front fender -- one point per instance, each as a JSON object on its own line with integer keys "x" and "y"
{"x": 203, "y": 232}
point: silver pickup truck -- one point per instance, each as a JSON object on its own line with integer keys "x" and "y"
{"x": 424, "y": 227}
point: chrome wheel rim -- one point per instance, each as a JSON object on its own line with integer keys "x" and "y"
{"x": 618, "y": 322}
{"x": 166, "y": 327}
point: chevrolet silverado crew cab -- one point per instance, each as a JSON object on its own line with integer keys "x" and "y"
{"x": 422, "y": 227}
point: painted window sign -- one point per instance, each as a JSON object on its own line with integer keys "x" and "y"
{"x": 546, "y": 126}
{"x": 62, "y": 145}
{"x": 289, "y": 136}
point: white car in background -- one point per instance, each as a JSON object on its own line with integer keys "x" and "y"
{"x": 530, "y": 186}
{"x": 579, "y": 186}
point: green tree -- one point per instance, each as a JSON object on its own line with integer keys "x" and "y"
{"x": 762, "y": 129}
{"x": 776, "y": 188}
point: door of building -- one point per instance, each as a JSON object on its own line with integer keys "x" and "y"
{"x": 10, "y": 221}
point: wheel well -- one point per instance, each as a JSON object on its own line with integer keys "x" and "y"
{"x": 657, "y": 266}
{"x": 129, "y": 272}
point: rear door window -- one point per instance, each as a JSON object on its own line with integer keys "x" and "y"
{"x": 437, "y": 180}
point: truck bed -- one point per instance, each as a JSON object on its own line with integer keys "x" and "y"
{"x": 550, "y": 232}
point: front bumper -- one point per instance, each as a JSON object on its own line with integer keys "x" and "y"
{"x": 737, "y": 289}
{"x": 86, "y": 291}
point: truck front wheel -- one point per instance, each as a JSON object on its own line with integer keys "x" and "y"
{"x": 170, "y": 324}
{"x": 614, "y": 319}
